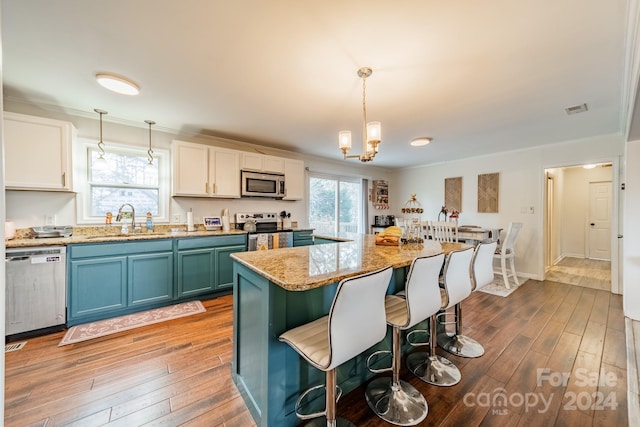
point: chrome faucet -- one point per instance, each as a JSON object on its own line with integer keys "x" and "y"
{"x": 133, "y": 216}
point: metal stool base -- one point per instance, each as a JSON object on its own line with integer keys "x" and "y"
{"x": 401, "y": 405}
{"x": 460, "y": 345}
{"x": 322, "y": 422}
{"x": 435, "y": 370}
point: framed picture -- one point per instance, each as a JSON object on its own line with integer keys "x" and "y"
{"x": 453, "y": 193}
{"x": 488, "y": 191}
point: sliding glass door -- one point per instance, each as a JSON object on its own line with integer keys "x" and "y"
{"x": 335, "y": 204}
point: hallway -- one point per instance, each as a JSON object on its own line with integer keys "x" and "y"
{"x": 589, "y": 273}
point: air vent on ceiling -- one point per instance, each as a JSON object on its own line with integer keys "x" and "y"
{"x": 575, "y": 109}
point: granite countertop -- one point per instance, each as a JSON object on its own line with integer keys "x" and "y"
{"x": 97, "y": 234}
{"x": 307, "y": 267}
{"x": 111, "y": 234}
{"x": 340, "y": 237}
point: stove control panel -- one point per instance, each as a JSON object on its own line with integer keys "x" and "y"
{"x": 241, "y": 218}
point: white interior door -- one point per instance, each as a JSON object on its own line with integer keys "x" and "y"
{"x": 599, "y": 238}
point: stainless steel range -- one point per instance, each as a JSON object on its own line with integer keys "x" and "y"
{"x": 263, "y": 232}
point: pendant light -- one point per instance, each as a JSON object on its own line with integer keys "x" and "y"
{"x": 150, "y": 167}
{"x": 100, "y": 163}
{"x": 371, "y": 132}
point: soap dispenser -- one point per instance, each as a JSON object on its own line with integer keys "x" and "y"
{"x": 149, "y": 222}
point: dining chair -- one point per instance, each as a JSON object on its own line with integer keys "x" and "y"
{"x": 443, "y": 231}
{"x": 506, "y": 251}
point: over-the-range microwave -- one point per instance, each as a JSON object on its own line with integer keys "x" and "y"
{"x": 262, "y": 184}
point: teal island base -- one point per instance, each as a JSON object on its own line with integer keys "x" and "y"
{"x": 268, "y": 373}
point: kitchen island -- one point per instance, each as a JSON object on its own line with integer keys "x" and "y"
{"x": 277, "y": 290}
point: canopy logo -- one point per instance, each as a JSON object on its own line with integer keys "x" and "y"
{"x": 583, "y": 392}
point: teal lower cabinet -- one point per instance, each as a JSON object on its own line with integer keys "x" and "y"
{"x": 111, "y": 279}
{"x": 302, "y": 238}
{"x": 195, "y": 271}
{"x": 98, "y": 287}
{"x": 150, "y": 278}
{"x": 204, "y": 264}
{"x": 224, "y": 266}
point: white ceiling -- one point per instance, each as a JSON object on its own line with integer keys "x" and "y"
{"x": 477, "y": 76}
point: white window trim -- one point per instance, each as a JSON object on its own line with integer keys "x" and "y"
{"x": 81, "y": 157}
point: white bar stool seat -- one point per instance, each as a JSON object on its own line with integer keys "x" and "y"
{"x": 356, "y": 322}
{"x": 432, "y": 368}
{"x": 482, "y": 275}
{"x": 392, "y": 399}
{"x": 457, "y": 286}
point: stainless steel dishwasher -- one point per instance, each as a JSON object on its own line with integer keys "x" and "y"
{"x": 35, "y": 288}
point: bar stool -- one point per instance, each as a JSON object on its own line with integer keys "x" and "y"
{"x": 356, "y": 321}
{"x": 430, "y": 367}
{"x": 482, "y": 275}
{"x": 392, "y": 399}
{"x": 458, "y": 286}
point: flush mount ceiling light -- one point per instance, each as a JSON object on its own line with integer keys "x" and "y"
{"x": 423, "y": 140}
{"x": 371, "y": 132}
{"x": 100, "y": 162}
{"x": 150, "y": 150}
{"x": 117, "y": 84}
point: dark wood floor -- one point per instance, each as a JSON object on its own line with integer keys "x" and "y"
{"x": 178, "y": 372}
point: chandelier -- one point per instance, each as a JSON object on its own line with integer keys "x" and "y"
{"x": 371, "y": 132}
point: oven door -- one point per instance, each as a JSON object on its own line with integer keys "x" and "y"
{"x": 272, "y": 240}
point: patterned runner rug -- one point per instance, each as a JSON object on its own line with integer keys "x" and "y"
{"x": 101, "y": 328}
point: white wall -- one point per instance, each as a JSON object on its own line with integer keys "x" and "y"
{"x": 521, "y": 187}
{"x": 28, "y": 208}
{"x": 575, "y": 208}
{"x": 631, "y": 273}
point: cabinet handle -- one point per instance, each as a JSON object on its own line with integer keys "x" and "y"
{"x": 206, "y": 187}
{"x": 64, "y": 179}
{"x": 214, "y": 188}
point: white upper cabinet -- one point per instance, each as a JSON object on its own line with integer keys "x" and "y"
{"x": 274, "y": 164}
{"x": 293, "y": 179}
{"x": 190, "y": 169}
{"x": 252, "y": 161}
{"x": 262, "y": 163}
{"x": 37, "y": 153}
{"x": 204, "y": 171}
{"x": 224, "y": 172}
